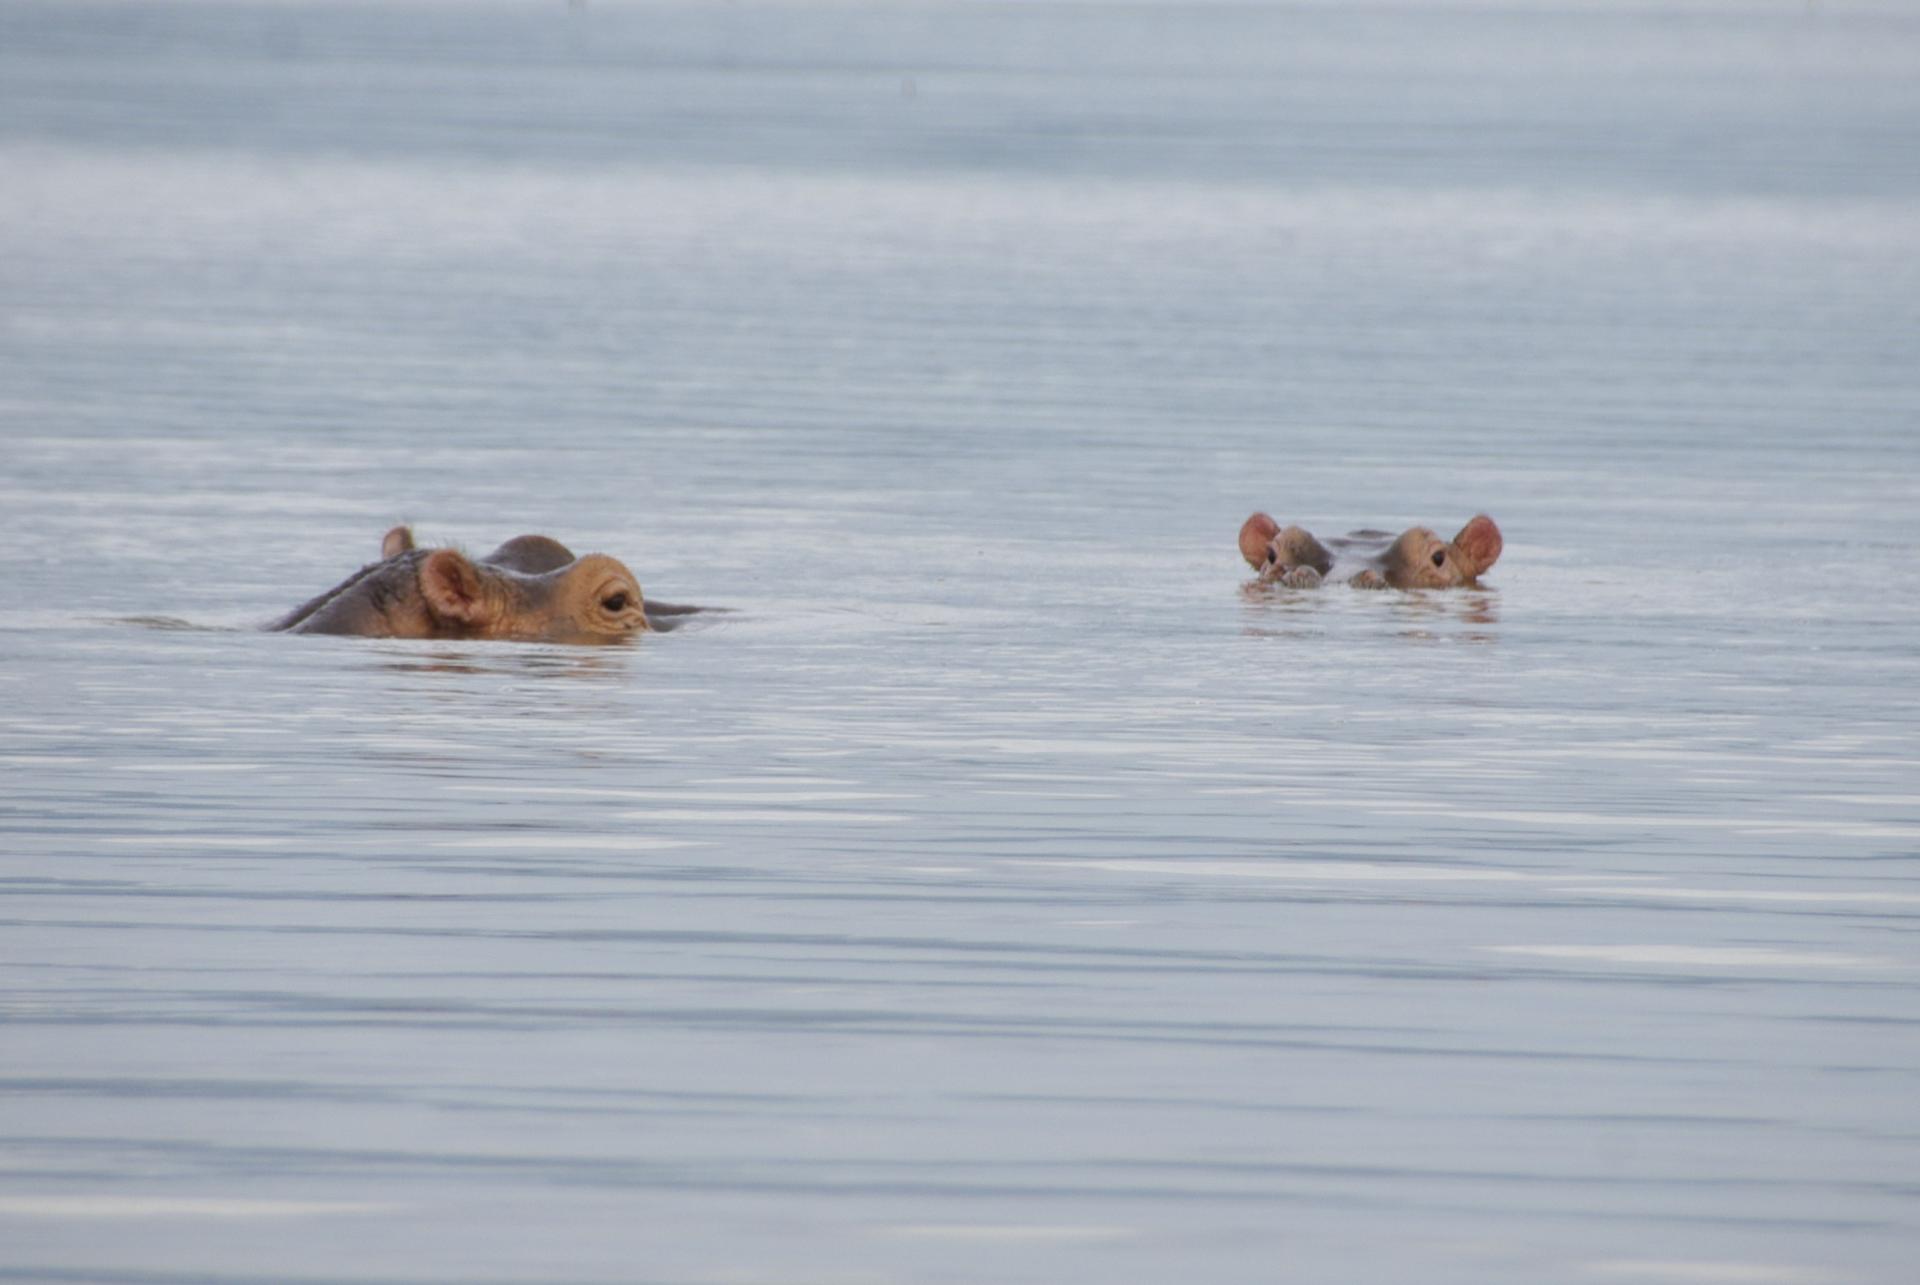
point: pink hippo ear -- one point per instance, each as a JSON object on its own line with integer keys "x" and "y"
{"x": 453, "y": 589}
{"x": 1256, "y": 540}
{"x": 1478, "y": 545}
{"x": 396, "y": 542}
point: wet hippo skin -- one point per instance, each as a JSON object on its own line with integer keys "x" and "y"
{"x": 1415, "y": 559}
{"x": 530, "y": 589}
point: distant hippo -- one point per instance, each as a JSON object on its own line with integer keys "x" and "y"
{"x": 1415, "y": 559}
{"x": 530, "y": 589}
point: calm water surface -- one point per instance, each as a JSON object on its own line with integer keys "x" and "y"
{"x": 1005, "y": 890}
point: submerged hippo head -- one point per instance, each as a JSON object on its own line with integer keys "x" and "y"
{"x": 1415, "y": 559}
{"x": 1419, "y": 559}
{"x": 530, "y": 589}
{"x": 1283, "y": 553}
{"x": 592, "y": 599}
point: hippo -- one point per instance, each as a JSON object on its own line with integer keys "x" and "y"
{"x": 530, "y": 589}
{"x": 1414, "y": 559}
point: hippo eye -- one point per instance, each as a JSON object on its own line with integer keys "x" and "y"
{"x": 1439, "y": 557}
{"x": 615, "y": 602}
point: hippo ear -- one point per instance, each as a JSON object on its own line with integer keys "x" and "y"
{"x": 1256, "y": 540}
{"x": 1478, "y": 545}
{"x": 453, "y": 588}
{"x": 396, "y": 542}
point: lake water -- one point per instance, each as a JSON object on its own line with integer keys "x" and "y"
{"x": 1005, "y": 890}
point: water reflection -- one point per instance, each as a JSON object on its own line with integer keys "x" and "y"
{"x": 1422, "y": 614}
{"x": 164, "y": 624}
{"x": 1421, "y": 610}
{"x": 514, "y": 660}
{"x": 1273, "y": 591}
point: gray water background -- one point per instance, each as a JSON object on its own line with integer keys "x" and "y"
{"x": 1005, "y": 890}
